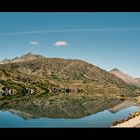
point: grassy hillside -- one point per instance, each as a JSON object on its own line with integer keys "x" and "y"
{"x": 49, "y": 75}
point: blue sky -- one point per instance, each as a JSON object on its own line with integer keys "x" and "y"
{"x": 108, "y": 40}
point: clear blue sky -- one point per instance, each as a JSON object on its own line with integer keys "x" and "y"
{"x": 108, "y": 40}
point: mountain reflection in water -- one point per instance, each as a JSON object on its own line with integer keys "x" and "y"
{"x": 36, "y": 108}
{"x": 64, "y": 111}
{"x": 100, "y": 119}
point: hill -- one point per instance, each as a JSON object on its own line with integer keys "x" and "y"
{"x": 36, "y": 74}
{"x": 126, "y": 78}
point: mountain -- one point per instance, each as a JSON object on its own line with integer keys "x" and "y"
{"x": 126, "y": 78}
{"x": 138, "y": 79}
{"x": 4, "y": 61}
{"x": 32, "y": 73}
{"x": 27, "y": 57}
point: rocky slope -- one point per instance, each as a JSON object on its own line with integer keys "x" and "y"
{"x": 37, "y": 74}
{"x": 27, "y": 57}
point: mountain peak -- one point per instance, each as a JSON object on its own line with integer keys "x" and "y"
{"x": 125, "y": 77}
{"x": 115, "y": 70}
{"x": 28, "y": 54}
{"x": 26, "y": 57}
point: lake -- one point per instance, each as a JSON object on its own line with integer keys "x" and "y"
{"x": 8, "y": 118}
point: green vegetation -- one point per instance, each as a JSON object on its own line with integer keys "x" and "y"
{"x": 37, "y": 76}
{"x": 19, "y": 88}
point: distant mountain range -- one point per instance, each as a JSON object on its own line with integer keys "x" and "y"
{"x": 126, "y": 78}
{"x": 46, "y": 74}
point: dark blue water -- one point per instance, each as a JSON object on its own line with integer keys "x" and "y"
{"x": 100, "y": 119}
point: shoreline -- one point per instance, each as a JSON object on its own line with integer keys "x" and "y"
{"x": 135, "y": 122}
{"x": 132, "y": 122}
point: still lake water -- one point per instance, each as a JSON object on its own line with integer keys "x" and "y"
{"x": 100, "y": 119}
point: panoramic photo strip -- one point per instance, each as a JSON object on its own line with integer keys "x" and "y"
{"x": 69, "y": 70}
